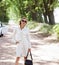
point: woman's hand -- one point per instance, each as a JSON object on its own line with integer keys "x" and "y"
{"x": 29, "y": 50}
{"x": 17, "y": 42}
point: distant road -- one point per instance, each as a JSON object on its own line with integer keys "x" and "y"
{"x": 56, "y": 14}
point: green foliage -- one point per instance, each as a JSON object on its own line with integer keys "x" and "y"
{"x": 3, "y": 15}
{"x": 32, "y": 9}
{"x": 45, "y": 28}
{"x": 47, "y": 8}
{"x": 12, "y": 10}
{"x": 50, "y": 29}
{"x": 32, "y": 24}
{"x": 20, "y": 8}
{"x": 56, "y": 30}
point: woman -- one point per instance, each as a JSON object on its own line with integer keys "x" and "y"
{"x": 22, "y": 40}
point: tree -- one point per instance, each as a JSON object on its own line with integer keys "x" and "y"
{"x": 3, "y": 16}
{"x": 32, "y": 9}
{"x": 12, "y": 9}
{"x": 48, "y": 7}
{"x": 20, "y": 8}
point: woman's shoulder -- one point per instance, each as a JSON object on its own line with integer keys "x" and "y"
{"x": 27, "y": 29}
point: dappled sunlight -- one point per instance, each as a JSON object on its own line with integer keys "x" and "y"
{"x": 7, "y": 53}
{"x": 44, "y": 51}
{"x": 10, "y": 62}
{"x": 9, "y": 46}
{"x": 48, "y": 62}
{"x": 47, "y": 51}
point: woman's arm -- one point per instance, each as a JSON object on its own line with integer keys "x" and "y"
{"x": 14, "y": 36}
{"x": 28, "y": 38}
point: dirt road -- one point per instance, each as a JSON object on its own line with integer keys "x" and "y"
{"x": 45, "y": 50}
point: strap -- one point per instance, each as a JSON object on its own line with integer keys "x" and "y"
{"x": 30, "y": 54}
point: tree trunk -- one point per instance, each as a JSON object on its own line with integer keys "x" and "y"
{"x": 34, "y": 16}
{"x": 51, "y": 18}
{"x": 39, "y": 17}
{"x": 45, "y": 18}
{"x": 49, "y": 12}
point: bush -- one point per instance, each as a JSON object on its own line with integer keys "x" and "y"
{"x": 46, "y": 28}
{"x": 56, "y": 30}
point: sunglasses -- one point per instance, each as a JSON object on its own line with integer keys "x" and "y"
{"x": 24, "y": 21}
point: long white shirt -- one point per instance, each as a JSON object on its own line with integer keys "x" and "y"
{"x": 23, "y": 37}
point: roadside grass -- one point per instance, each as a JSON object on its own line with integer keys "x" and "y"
{"x": 32, "y": 24}
{"x": 46, "y": 28}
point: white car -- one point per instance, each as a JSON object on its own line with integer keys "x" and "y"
{"x": 1, "y": 34}
{"x": 0, "y": 30}
{"x": 3, "y": 29}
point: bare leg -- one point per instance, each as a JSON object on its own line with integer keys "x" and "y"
{"x": 17, "y": 60}
{"x": 24, "y": 58}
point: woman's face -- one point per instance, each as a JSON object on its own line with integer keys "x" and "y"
{"x": 23, "y": 22}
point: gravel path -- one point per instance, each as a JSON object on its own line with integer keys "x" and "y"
{"x": 45, "y": 50}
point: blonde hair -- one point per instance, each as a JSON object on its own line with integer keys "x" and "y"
{"x": 22, "y": 19}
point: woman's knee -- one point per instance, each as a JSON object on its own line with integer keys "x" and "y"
{"x": 18, "y": 58}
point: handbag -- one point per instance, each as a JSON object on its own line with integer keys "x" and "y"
{"x": 27, "y": 61}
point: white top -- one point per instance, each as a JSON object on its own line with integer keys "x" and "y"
{"x": 23, "y": 36}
